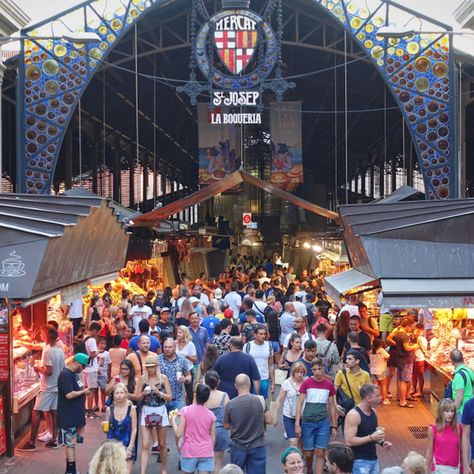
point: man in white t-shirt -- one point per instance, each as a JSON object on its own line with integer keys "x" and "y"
{"x": 300, "y": 329}
{"x": 202, "y": 297}
{"x": 89, "y": 374}
{"x": 300, "y": 307}
{"x": 350, "y": 306}
{"x": 259, "y": 304}
{"x": 234, "y": 300}
{"x": 261, "y": 351}
{"x": 52, "y": 363}
{"x": 138, "y": 312}
{"x": 76, "y": 314}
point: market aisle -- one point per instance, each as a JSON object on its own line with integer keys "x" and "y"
{"x": 404, "y": 427}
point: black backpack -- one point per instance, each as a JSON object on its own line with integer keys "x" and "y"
{"x": 80, "y": 347}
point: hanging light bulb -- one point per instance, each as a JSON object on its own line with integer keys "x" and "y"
{"x": 307, "y": 245}
{"x": 317, "y": 248}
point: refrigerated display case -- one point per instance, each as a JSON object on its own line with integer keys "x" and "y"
{"x": 452, "y": 328}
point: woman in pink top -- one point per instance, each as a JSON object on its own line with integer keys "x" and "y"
{"x": 196, "y": 424}
{"x": 444, "y": 440}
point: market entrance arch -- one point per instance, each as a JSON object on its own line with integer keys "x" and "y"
{"x": 418, "y": 70}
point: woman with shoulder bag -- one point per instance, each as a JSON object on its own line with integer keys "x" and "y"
{"x": 288, "y": 397}
{"x": 154, "y": 391}
{"x": 444, "y": 440}
{"x": 292, "y": 354}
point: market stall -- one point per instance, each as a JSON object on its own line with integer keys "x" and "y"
{"x": 422, "y": 253}
{"x": 49, "y": 246}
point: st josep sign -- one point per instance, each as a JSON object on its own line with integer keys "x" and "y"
{"x": 236, "y": 51}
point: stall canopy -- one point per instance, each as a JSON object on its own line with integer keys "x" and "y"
{"x": 52, "y": 242}
{"x": 422, "y": 252}
{"x": 351, "y": 281}
{"x": 221, "y": 186}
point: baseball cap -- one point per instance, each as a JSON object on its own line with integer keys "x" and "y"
{"x": 151, "y": 361}
{"x": 300, "y": 294}
{"x": 218, "y": 293}
{"x": 165, "y": 310}
{"x": 83, "y": 359}
{"x": 193, "y": 299}
{"x": 228, "y": 313}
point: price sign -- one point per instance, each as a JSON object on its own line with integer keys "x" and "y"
{"x": 246, "y": 218}
{"x": 4, "y": 362}
{"x": 3, "y": 434}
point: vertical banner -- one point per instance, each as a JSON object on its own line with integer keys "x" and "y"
{"x": 219, "y": 145}
{"x": 287, "y": 144}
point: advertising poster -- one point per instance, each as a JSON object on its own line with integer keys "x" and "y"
{"x": 287, "y": 144}
{"x": 219, "y": 145}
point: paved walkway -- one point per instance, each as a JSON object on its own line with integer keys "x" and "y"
{"x": 405, "y": 428}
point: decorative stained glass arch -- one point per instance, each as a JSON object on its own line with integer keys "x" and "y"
{"x": 418, "y": 70}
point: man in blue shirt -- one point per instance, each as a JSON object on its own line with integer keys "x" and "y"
{"x": 199, "y": 334}
{"x": 247, "y": 304}
{"x": 171, "y": 365}
{"x": 210, "y": 322}
{"x": 144, "y": 327}
{"x": 233, "y": 363}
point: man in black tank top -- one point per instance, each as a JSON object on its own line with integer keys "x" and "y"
{"x": 361, "y": 432}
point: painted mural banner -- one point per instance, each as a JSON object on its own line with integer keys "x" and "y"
{"x": 287, "y": 144}
{"x": 219, "y": 145}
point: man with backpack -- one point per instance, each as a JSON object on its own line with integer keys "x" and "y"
{"x": 327, "y": 351}
{"x": 262, "y": 352}
{"x": 259, "y": 305}
{"x": 249, "y": 328}
{"x": 462, "y": 383}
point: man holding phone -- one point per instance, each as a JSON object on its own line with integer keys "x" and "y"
{"x": 71, "y": 414}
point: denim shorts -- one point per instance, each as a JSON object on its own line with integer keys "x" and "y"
{"x": 101, "y": 381}
{"x": 276, "y": 346}
{"x": 197, "y": 464}
{"x": 175, "y": 405}
{"x": 289, "y": 424}
{"x": 365, "y": 466}
{"x": 315, "y": 434}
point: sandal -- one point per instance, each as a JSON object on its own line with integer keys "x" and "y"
{"x": 406, "y": 405}
{"x": 411, "y": 399}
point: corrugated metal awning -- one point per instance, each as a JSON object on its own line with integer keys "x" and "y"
{"x": 351, "y": 281}
{"x": 428, "y": 292}
{"x": 53, "y": 242}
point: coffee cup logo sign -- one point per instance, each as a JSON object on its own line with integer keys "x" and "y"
{"x": 12, "y": 266}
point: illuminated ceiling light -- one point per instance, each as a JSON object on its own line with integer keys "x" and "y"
{"x": 317, "y": 248}
{"x": 306, "y": 245}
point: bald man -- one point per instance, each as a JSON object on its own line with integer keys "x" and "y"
{"x": 463, "y": 380}
{"x": 246, "y": 416}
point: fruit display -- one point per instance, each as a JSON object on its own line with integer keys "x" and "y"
{"x": 121, "y": 283}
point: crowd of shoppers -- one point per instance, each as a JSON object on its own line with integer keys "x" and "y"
{"x": 205, "y": 360}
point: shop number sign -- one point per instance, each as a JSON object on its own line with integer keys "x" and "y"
{"x": 246, "y": 218}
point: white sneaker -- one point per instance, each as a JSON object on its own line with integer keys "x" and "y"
{"x": 45, "y": 436}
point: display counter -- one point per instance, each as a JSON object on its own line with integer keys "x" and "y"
{"x": 451, "y": 329}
